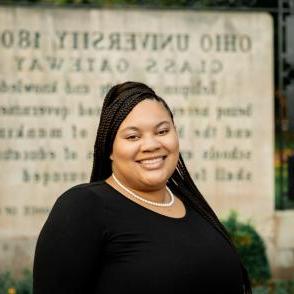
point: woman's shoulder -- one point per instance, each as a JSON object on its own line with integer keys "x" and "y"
{"x": 83, "y": 195}
{"x": 77, "y": 218}
{"x": 85, "y": 190}
{"x": 79, "y": 203}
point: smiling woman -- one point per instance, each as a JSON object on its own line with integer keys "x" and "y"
{"x": 140, "y": 225}
{"x": 146, "y": 148}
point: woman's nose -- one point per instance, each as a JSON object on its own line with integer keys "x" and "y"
{"x": 150, "y": 143}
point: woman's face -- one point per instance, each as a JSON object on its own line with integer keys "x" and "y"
{"x": 146, "y": 147}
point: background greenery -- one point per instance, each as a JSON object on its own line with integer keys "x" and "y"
{"x": 251, "y": 249}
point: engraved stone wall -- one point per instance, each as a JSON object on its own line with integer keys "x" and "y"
{"x": 214, "y": 69}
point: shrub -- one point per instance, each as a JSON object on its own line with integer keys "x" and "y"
{"x": 6, "y": 282}
{"x": 283, "y": 287}
{"x": 251, "y": 248}
{"x": 24, "y": 285}
{"x": 21, "y": 286}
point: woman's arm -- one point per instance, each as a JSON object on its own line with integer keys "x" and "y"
{"x": 68, "y": 251}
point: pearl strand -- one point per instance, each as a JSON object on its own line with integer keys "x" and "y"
{"x": 170, "y": 203}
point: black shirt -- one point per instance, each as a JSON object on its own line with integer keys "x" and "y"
{"x": 96, "y": 240}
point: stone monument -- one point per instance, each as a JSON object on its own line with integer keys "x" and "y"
{"x": 215, "y": 69}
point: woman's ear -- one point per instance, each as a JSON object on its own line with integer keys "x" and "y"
{"x": 110, "y": 157}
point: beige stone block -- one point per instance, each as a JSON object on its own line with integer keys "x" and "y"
{"x": 285, "y": 258}
{"x": 285, "y": 229}
{"x": 16, "y": 254}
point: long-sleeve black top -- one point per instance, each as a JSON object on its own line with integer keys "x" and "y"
{"x": 96, "y": 240}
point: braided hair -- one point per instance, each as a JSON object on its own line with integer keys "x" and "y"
{"x": 118, "y": 103}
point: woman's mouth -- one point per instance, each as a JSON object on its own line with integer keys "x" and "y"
{"x": 152, "y": 163}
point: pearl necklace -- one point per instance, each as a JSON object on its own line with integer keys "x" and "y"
{"x": 170, "y": 203}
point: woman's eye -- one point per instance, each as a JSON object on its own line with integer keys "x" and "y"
{"x": 132, "y": 137}
{"x": 163, "y": 132}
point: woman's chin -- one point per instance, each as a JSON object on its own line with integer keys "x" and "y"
{"x": 154, "y": 180}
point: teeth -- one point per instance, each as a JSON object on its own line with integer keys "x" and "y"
{"x": 152, "y": 160}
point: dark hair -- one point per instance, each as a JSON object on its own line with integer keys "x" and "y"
{"x": 118, "y": 103}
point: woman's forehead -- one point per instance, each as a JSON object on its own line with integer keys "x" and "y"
{"x": 147, "y": 112}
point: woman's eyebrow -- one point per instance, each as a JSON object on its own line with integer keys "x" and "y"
{"x": 130, "y": 129}
{"x": 163, "y": 122}
{"x": 133, "y": 128}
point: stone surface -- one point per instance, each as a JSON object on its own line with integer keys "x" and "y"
{"x": 285, "y": 229}
{"x": 16, "y": 253}
{"x": 215, "y": 70}
{"x": 283, "y": 251}
{"x": 285, "y": 258}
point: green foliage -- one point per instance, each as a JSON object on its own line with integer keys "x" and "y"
{"x": 251, "y": 248}
{"x": 6, "y": 282}
{"x": 24, "y": 285}
{"x": 21, "y": 286}
{"x": 275, "y": 287}
{"x": 283, "y": 287}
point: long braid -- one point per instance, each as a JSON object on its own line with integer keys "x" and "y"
{"x": 118, "y": 103}
{"x": 182, "y": 181}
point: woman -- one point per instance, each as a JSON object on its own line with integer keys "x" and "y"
{"x": 141, "y": 225}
